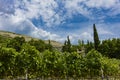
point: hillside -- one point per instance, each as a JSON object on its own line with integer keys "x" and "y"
{"x": 6, "y": 34}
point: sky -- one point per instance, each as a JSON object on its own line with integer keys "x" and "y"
{"x": 56, "y": 19}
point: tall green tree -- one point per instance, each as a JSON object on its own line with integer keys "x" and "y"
{"x": 67, "y": 45}
{"x": 64, "y": 46}
{"x": 49, "y": 46}
{"x": 89, "y": 46}
{"x": 96, "y": 37}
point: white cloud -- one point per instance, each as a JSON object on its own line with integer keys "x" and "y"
{"x": 74, "y": 7}
{"x": 47, "y": 9}
{"x": 38, "y": 8}
{"x": 74, "y": 37}
{"x": 86, "y": 36}
{"x": 103, "y": 31}
{"x": 115, "y": 10}
{"x": 92, "y": 9}
{"x": 20, "y": 21}
{"x": 103, "y": 8}
{"x": 17, "y": 16}
{"x": 101, "y": 3}
{"x": 40, "y": 33}
{"x": 6, "y": 6}
{"x": 26, "y": 27}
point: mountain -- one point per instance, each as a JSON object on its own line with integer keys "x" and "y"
{"x": 6, "y": 34}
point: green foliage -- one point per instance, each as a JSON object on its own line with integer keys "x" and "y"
{"x": 16, "y": 43}
{"x": 64, "y": 48}
{"x": 80, "y": 43}
{"x": 96, "y": 38}
{"x": 38, "y": 59}
{"x": 7, "y": 61}
{"x": 74, "y": 64}
{"x": 74, "y": 48}
{"x": 67, "y": 46}
{"x": 110, "y": 48}
{"x": 28, "y": 59}
{"x": 3, "y": 40}
{"x": 49, "y": 46}
{"x": 94, "y": 62}
{"x": 39, "y": 44}
{"x": 111, "y": 67}
{"x": 89, "y": 46}
{"x": 68, "y": 42}
{"x": 53, "y": 64}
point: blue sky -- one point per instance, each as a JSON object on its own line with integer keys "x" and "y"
{"x": 56, "y": 19}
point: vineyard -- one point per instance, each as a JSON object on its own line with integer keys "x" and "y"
{"x": 30, "y": 63}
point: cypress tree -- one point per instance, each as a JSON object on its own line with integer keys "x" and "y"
{"x": 64, "y": 48}
{"x": 50, "y": 47}
{"x": 68, "y": 41}
{"x": 96, "y": 38}
{"x": 82, "y": 42}
{"x": 68, "y": 44}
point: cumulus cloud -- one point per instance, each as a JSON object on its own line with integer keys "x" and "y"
{"x": 104, "y": 31}
{"x": 39, "y": 9}
{"x": 6, "y": 6}
{"x": 27, "y": 27}
{"x": 115, "y": 10}
{"x": 20, "y": 19}
{"x": 75, "y": 7}
{"x": 101, "y": 4}
{"x": 17, "y": 16}
{"x": 83, "y": 36}
{"x": 51, "y": 11}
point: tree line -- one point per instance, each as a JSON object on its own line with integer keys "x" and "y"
{"x": 108, "y": 48}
